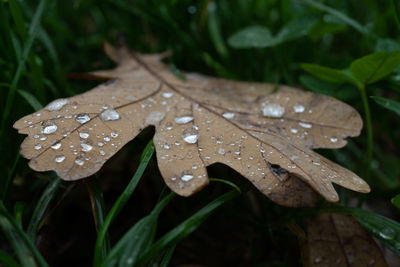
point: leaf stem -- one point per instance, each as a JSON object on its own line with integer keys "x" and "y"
{"x": 369, "y": 131}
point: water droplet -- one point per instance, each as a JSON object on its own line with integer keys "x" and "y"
{"x": 79, "y": 161}
{"x": 102, "y": 152}
{"x": 59, "y": 158}
{"x": 190, "y": 136}
{"x": 316, "y": 163}
{"x": 49, "y": 129}
{"x": 305, "y": 125}
{"x": 166, "y": 146}
{"x": 56, "y": 146}
{"x": 43, "y": 138}
{"x": 114, "y": 134}
{"x": 167, "y": 94}
{"x": 187, "y": 177}
{"x": 183, "y": 119}
{"x": 100, "y": 144}
{"x": 38, "y": 147}
{"x": 273, "y": 110}
{"x": 83, "y": 135}
{"x": 36, "y": 136}
{"x": 86, "y": 147}
{"x": 293, "y": 130}
{"x": 107, "y": 139}
{"x": 82, "y": 118}
{"x": 333, "y": 139}
{"x": 298, "y": 108}
{"x": 57, "y": 104}
{"x": 221, "y": 151}
{"x": 387, "y": 233}
{"x": 109, "y": 115}
{"x": 228, "y": 115}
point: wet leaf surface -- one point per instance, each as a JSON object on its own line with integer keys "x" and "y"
{"x": 265, "y": 133}
{"x": 339, "y": 240}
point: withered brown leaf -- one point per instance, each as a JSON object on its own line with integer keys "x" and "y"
{"x": 339, "y": 240}
{"x": 264, "y": 133}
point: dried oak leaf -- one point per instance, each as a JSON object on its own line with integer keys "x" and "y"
{"x": 340, "y": 240}
{"x": 264, "y": 133}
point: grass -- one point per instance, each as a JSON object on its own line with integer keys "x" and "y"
{"x": 45, "y": 221}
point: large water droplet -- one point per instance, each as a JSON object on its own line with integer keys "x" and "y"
{"x": 49, "y": 129}
{"x": 333, "y": 139}
{"x": 56, "y": 146}
{"x": 187, "y": 177}
{"x": 183, "y": 119}
{"x": 305, "y": 125}
{"x": 59, "y": 158}
{"x": 273, "y": 110}
{"x": 82, "y": 118}
{"x": 79, "y": 161}
{"x": 57, "y": 104}
{"x": 114, "y": 134}
{"x": 228, "y": 115}
{"x": 387, "y": 233}
{"x": 109, "y": 115}
{"x": 86, "y": 147}
{"x": 167, "y": 94}
{"x": 298, "y": 108}
{"x": 190, "y": 136}
{"x": 83, "y": 135}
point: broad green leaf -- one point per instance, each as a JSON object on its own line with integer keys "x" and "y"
{"x": 296, "y": 28}
{"x": 388, "y": 103}
{"x": 396, "y": 201}
{"x": 374, "y": 67}
{"x": 328, "y": 74}
{"x": 253, "y": 36}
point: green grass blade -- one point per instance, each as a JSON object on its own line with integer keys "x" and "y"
{"x": 167, "y": 256}
{"x": 388, "y": 104}
{"x": 396, "y": 201}
{"x": 33, "y": 30}
{"x": 18, "y": 19}
{"x": 186, "y": 227}
{"x": 31, "y": 99}
{"x": 97, "y": 200}
{"x": 7, "y": 260}
{"x": 6, "y": 186}
{"x": 8, "y": 221}
{"x": 225, "y": 182}
{"x": 215, "y": 31}
{"x": 121, "y": 201}
{"x": 41, "y": 207}
{"x": 351, "y": 22}
{"x": 128, "y": 249}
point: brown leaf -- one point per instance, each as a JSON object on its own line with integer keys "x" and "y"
{"x": 339, "y": 240}
{"x": 258, "y": 131}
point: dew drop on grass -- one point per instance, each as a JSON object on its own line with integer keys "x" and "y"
{"x": 183, "y": 119}
{"x": 273, "y": 110}
{"x": 387, "y": 233}
{"x": 82, "y": 118}
{"x": 59, "y": 158}
{"x": 57, "y": 104}
{"x": 49, "y": 129}
{"x": 109, "y": 115}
